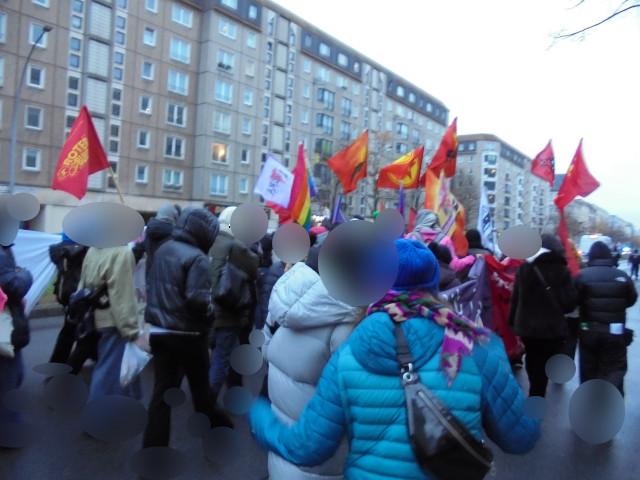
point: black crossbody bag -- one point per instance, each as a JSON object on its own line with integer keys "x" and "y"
{"x": 443, "y": 446}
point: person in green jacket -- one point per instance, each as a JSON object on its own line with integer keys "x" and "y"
{"x": 117, "y": 324}
{"x": 230, "y": 327}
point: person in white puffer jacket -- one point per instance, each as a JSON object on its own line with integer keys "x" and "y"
{"x": 311, "y": 325}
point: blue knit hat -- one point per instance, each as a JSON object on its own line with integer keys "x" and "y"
{"x": 418, "y": 268}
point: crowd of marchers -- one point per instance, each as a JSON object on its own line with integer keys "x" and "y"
{"x": 338, "y": 399}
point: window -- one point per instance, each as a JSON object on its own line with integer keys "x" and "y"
{"x": 35, "y": 30}
{"x": 248, "y": 97}
{"x": 145, "y": 104}
{"x": 345, "y": 107}
{"x": 490, "y": 185}
{"x": 118, "y": 74}
{"x": 401, "y": 148}
{"x": 245, "y": 156}
{"x": 227, "y": 29}
{"x": 33, "y": 118}
{"x": 345, "y": 130}
{"x": 402, "y": 130}
{"x": 306, "y": 91}
{"x": 174, "y": 147}
{"x": 149, "y": 37}
{"x": 250, "y": 68}
{"x": 306, "y": 66}
{"x": 222, "y": 122}
{"x": 121, "y": 22}
{"x": 226, "y": 60}
{"x": 243, "y": 186}
{"x": 114, "y": 146}
{"x": 224, "y": 91}
{"x": 246, "y": 126}
{"x": 400, "y": 91}
{"x": 490, "y": 172}
{"x": 35, "y": 76}
{"x": 76, "y": 22}
{"x": 115, "y": 110}
{"x": 230, "y": 3}
{"x": 142, "y": 174}
{"x": 490, "y": 159}
{"x": 70, "y": 120}
{"x": 172, "y": 179}
{"x": 219, "y": 152}
{"x": 176, "y": 115}
{"x": 323, "y": 74}
{"x": 252, "y": 40}
{"x": 181, "y": 15}
{"x": 147, "y": 70}
{"x": 143, "y": 138}
{"x": 324, "y": 50}
{"x": 180, "y": 50}
{"x": 304, "y": 117}
{"x": 327, "y": 97}
{"x": 74, "y": 60}
{"x": 41, "y": 3}
{"x": 325, "y": 122}
{"x": 72, "y": 99}
{"x": 178, "y": 82}
{"x": 218, "y": 184}
{"x": 120, "y": 38}
{"x": 343, "y": 60}
{"x": 75, "y": 44}
{"x": 121, "y": 4}
{"x": 118, "y": 58}
{"x": 77, "y": 6}
{"x": 31, "y": 159}
{"x": 151, "y": 5}
{"x": 3, "y": 27}
{"x": 253, "y": 12}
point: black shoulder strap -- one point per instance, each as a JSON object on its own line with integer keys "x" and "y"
{"x": 547, "y": 288}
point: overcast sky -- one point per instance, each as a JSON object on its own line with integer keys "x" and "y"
{"x": 493, "y": 64}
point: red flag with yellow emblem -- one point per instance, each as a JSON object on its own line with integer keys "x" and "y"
{"x": 350, "y": 163}
{"x": 81, "y": 155}
{"x": 404, "y": 171}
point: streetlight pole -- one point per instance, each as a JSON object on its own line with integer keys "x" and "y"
{"x": 14, "y": 113}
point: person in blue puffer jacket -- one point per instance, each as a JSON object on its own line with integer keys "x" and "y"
{"x": 360, "y": 395}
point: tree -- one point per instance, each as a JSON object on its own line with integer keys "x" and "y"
{"x": 620, "y": 10}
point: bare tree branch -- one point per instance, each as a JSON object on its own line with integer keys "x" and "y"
{"x": 599, "y": 23}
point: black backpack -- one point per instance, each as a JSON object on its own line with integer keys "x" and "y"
{"x": 82, "y": 307}
{"x": 68, "y": 260}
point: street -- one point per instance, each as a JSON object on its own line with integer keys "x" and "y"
{"x": 61, "y": 451}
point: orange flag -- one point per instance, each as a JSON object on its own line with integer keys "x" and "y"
{"x": 449, "y": 210}
{"x": 81, "y": 155}
{"x": 350, "y": 163}
{"x": 404, "y": 171}
{"x": 447, "y": 153}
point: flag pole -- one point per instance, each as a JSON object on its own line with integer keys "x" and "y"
{"x": 115, "y": 181}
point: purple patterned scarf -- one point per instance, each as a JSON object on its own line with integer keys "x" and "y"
{"x": 460, "y": 333}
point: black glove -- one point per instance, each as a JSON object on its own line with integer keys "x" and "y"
{"x": 20, "y": 336}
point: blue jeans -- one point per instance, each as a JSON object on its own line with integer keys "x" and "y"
{"x": 224, "y": 341}
{"x": 11, "y": 376}
{"x": 105, "y": 379}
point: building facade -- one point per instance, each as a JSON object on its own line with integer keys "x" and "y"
{"x": 487, "y": 165}
{"x": 189, "y": 96}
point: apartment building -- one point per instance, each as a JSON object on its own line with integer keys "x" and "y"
{"x": 189, "y": 96}
{"x": 489, "y": 165}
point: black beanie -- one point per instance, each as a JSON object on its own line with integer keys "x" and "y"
{"x": 599, "y": 251}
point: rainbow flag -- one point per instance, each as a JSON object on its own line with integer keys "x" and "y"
{"x": 300, "y": 200}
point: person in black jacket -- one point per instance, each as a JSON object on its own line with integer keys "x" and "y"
{"x": 634, "y": 261}
{"x": 448, "y": 277}
{"x": 474, "y": 239}
{"x": 604, "y": 294}
{"x": 14, "y": 282}
{"x": 268, "y": 274}
{"x": 68, "y": 256}
{"x": 179, "y": 300}
{"x": 542, "y": 294}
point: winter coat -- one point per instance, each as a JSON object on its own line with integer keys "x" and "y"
{"x": 312, "y": 326}
{"x": 532, "y": 312}
{"x": 448, "y": 278}
{"x": 227, "y": 248}
{"x": 427, "y": 236}
{"x": 156, "y": 233}
{"x": 68, "y": 258}
{"x": 634, "y": 259}
{"x": 360, "y": 394}
{"x": 267, "y": 278}
{"x": 21, "y": 335}
{"x": 179, "y": 292}
{"x": 604, "y": 293}
{"x": 113, "y": 267}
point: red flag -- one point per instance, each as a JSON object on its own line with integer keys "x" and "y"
{"x": 544, "y": 164}
{"x": 81, "y": 155}
{"x": 405, "y": 171}
{"x": 350, "y": 163}
{"x": 447, "y": 153}
{"x": 577, "y": 181}
{"x": 563, "y": 233}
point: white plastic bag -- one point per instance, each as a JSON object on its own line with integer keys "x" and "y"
{"x": 134, "y": 360}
